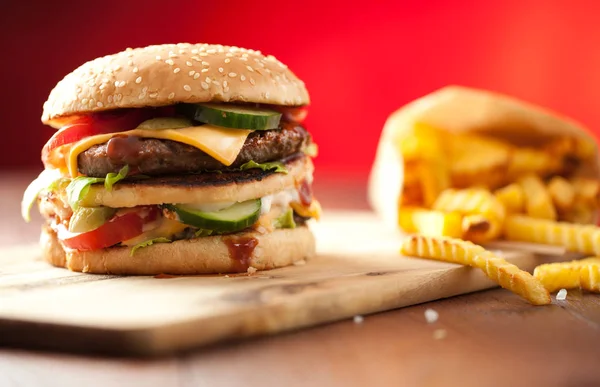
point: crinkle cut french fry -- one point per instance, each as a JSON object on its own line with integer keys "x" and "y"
{"x": 570, "y": 275}
{"x": 538, "y": 203}
{"x": 477, "y": 160}
{"x": 578, "y": 238}
{"x": 480, "y": 229}
{"x": 587, "y": 191}
{"x": 512, "y": 197}
{"x": 590, "y": 277}
{"x": 561, "y": 192}
{"x": 470, "y": 201}
{"x": 528, "y": 160}
{"x": 429, "y": 222}
{"x": 462, "y": 252}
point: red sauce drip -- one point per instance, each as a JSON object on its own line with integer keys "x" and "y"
{"x": 305, "y": 193}
{"x": 164, "y": 276}
{"x": 240, "y": 250}
{"x": 124, "y": 149}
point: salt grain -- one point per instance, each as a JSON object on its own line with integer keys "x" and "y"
{"x": 561, "y": 295}
{"x": 431, "y": 316}
{"x": 251, "y": 270}
{"x": 358, "y": 319}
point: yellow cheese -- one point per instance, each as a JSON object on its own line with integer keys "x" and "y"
{"x": 222, "y": 144}
{"x": 166, "y": 229}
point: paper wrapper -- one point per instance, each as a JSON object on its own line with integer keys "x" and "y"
{"x": 459, "y": 109}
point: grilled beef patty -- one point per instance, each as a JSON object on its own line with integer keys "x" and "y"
{"x": 150, "y": 156}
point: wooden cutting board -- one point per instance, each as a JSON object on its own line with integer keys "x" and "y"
{"x": 358, "y": 270}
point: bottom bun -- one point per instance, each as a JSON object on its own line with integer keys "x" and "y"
{"x": 204, "y": 255}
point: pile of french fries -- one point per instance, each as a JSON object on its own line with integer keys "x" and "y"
{"x": 466, "y": 187}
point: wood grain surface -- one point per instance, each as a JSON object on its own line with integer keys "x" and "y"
{"x": 483, "y": 338}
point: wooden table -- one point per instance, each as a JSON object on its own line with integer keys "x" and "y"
{"x": 484, "y": 338}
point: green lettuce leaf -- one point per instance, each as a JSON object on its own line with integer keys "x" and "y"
{"x": 286, "y": 220}
{"x": 47, "y": 178}
{"x": 276, "y": 165}
{"x": 148, "y": 243}
{"x": 79, "y": 186}
{"x": 112, "y": 177}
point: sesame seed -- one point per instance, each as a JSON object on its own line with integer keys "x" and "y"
{"x": 191, "y": 73}
{"x": 232, "y": 75}
{"x": 243, "y": 77}
{"x": 197, "y": 75}
{"x": 99, "y": 104}
{"x": 120, "y": 96}
{"x": 216, "y": 83}
{"x": 135, "y": 70}
{"x": 225, "y": 83}
{"x": 229, "y": 55}
{"x": 110, "y": 99}
{"x": 187, "y": 88}
{"x": 116, "y": 84}
{"x": 189, "y": 63}
{"x": 267, "y": 94}
{"x": 91, "y": 102}
{"x": 252, "y": 81}
{"x": 226, "y": 89}
{"x": 207, "y": 80}
{"x": 153, "y": 95}
{"x": 204, "y": 85}
{"x": 204, "y": 70}
{"x": 171, "y": 96}
{"x": 250, "y": 68}
{"x": 84, "y": 101}
{"x": 203, "y": 54}
{"x": 176, "y": 70}
{"x": 158, "y": 57}
{"x": 205, "y": 63}
{"x": 227, "y": 60}
{"x": 211, "y": 51}
{"x": 138, "y": 80}
{"x": 129, "y": 62}
{"x": 145, "y": 89}
{"x": 142, "y": 96}
{"x": 170, "y": 62}
{"x": 221, "y": 69}
{"x": 172, "y": 54}
{"x": 195, "y": 51}
{"x": 102, "y": 86}
{"x": 244, "y": 59}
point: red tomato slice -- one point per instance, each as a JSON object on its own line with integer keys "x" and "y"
{"x": 98, "y": 123}
{"x": 118, "y": 229}
{"x": 292, "y": 114}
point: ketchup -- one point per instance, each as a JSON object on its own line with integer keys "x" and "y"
{"x": 240, "y": 250}
{"x": 124, "y": 149}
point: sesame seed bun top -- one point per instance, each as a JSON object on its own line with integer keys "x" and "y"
{"x": 171, "y": 73}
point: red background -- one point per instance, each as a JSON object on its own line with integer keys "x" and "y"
{"x": 360, "y": 60}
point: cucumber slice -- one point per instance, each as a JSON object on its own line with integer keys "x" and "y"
{"x": 233, "y": 116}
{"x": 86, "y": 219}
{"x": 230, "y": 219}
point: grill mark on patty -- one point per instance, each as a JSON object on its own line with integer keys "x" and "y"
{"x": 163, "y": 157}
{"x": 207, "y": 178}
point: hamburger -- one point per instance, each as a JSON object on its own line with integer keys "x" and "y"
{"x": 176, "y": 159}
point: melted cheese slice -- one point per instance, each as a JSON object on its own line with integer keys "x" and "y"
{"x": 222, "y": 144}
